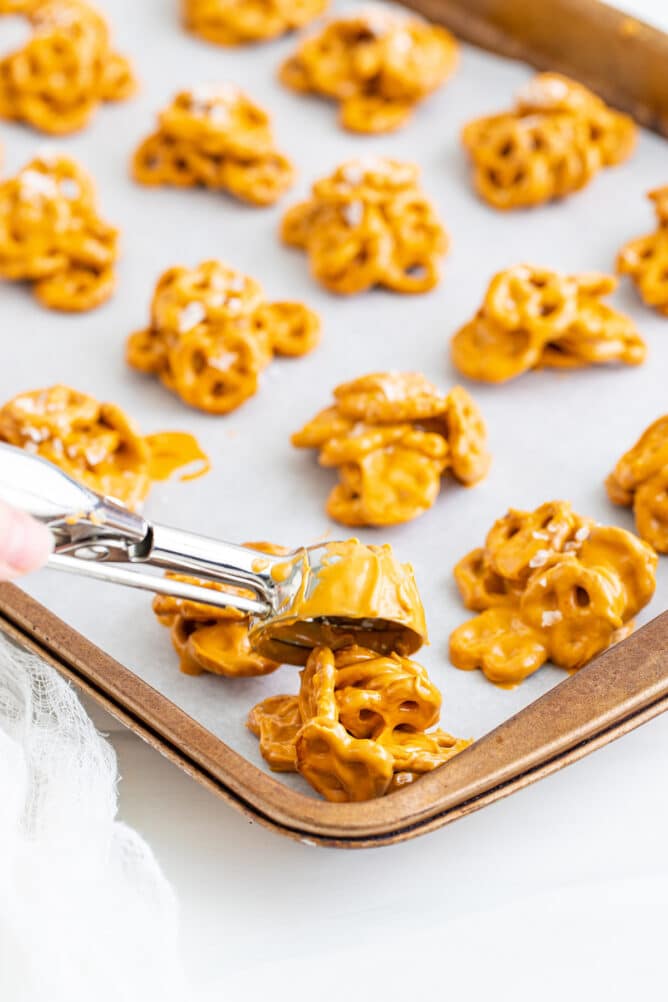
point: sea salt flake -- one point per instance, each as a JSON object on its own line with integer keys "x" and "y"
{"x": 582, "y": 534}
{"x": 550, "y": 617}
{"x": 190, "y": 316}
{"x": 223, "y": 362}
{"x": 539, "y": 558}
{"x": 353, "y": 213}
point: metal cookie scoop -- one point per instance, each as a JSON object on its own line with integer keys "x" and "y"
{"x": 332, "y": 594}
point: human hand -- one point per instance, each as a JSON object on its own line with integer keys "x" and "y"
{"x": 25, "y": 544}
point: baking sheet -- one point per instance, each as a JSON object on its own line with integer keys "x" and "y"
{"x": 552, "y": 435}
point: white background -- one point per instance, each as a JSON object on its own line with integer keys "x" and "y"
{"x": 560, "y": 888}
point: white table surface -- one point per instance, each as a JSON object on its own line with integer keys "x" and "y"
{"x": 556, "y": 892}
{"x": 559, "y": 889}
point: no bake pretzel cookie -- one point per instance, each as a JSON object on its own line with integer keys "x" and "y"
{"x": 240, "y": 22}
{"x": 557, "y": 137}
{"x": 548, "y": 585}
{"x": 214, "y": 136}
{"x": 645, "y": 259}
{"x": 96, "y": 443}
{"x": 52, "y": 236}
{"x": 369, "y": 224}
{"x": 56, "y": 81}
{"x": 533, "y": 318}
{"x": 392, "y": 436}
{"x": 378, "y": 62}
{"x": 640, "y": 481}
{"x": 212, "y": 333}
{"x": 211, "y": 639}
{"x": 359, "y": 726}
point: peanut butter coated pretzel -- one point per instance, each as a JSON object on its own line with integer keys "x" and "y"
{"x": 548, "y": 585}
{"x": 214, "y": 136}
{"x": 646, "y": 259}
{"x": 96, "y": 443}
{"x": 377, "y": 62}
{"x": 532, "y": 318}
{"x": 51, "y": 235}
{"x": 369, "y": 224}
{"x": 212, "y": 333}
{"x": 392, "y": 436}
{"x": 558, "y": 136}
{"x": 65, "y": 70}
{"x": 238, "y": 22}
{"x": 358, "y": 728}
{"x": 640, "y": 481}
{"x": 211, "y": 639}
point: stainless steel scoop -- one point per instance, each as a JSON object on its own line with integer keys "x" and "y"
{"x": 96, "y": 536}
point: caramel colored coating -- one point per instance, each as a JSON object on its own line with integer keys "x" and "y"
{"x": 241, "y": 22}
{"x": 354, "y": 595}
{"x": 211, "y": 639}
{"x": 378, "y": 63}
{"x": 640, "y": 481}
{"x": 532, "y": 318}
{"x": 549, "y": 585}
{"x": 558, "y": 136}
{"x": 392, "y": 435}
{"x": 214, "y": 136}
{"x": 52, "y": 236}
{"x": 357, "y": 729}
{"x": 212, "y": 333}
{"x": 96, "y": 443}
{"x": 56, "y": 81}
{"x": 646, "y": 258}
{"x": 369, "y": 224}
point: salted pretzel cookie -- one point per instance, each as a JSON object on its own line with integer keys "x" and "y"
{"x": 369, "y": 224}
{"x": 52, "y": 236}
{"x": 66, "y": 69}
{"x": 377, "y": 62}
{"x": 96, "y": 443}
{"x": 212, "y": 333}
{"x": 533, "y": 318}
{"x": 548, "y": 585}
{"x": 645, "y": 259}
{"x": 551, "y": 144}
{"x": 392, "y": 436}
{"x": 640, "y": 481}
{"x": 359, "y": 727}
{"x": 211, "y": 639}
{"x": 240, "y": 22}
{"x": 214, "y": 136}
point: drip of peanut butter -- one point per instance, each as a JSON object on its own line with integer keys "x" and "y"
{"x": 350, "y": 594}
{"x": 171, "y": 451}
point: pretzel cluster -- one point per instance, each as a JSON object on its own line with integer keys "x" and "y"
{"x": 392, "y": 436}
{"x": 214, "y": 136}
{"x": 640, "y": 481}
{"x": 211, "y": 639}
{"x": 532, "y": 318}
{"x": 96, "y": 443}
{"x": 369, "y": 224}
{"x": 51, "y": 235}
{"x": 358, "y": 728}
{"x": 377, "y": 62}
{"x": 548, "y": 584}
{"x": 558, "y": 136}
{"x": 646, "y": 259}
{"x": 212, "y": 333}
{"x": 238, "y": 22}
{"x": 65, "y": 70}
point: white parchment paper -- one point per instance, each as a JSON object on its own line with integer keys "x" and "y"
{"x": 553, "y": 435}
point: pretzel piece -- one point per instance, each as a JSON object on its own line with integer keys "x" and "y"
{"x": 369, "y": 224}
{"x": 214, "y": 136}
{"x": 50, "y": 234}
{"x": 379, "y": 63}
{"x": 230, "y": 22}
{"x": 212, "y": 333}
